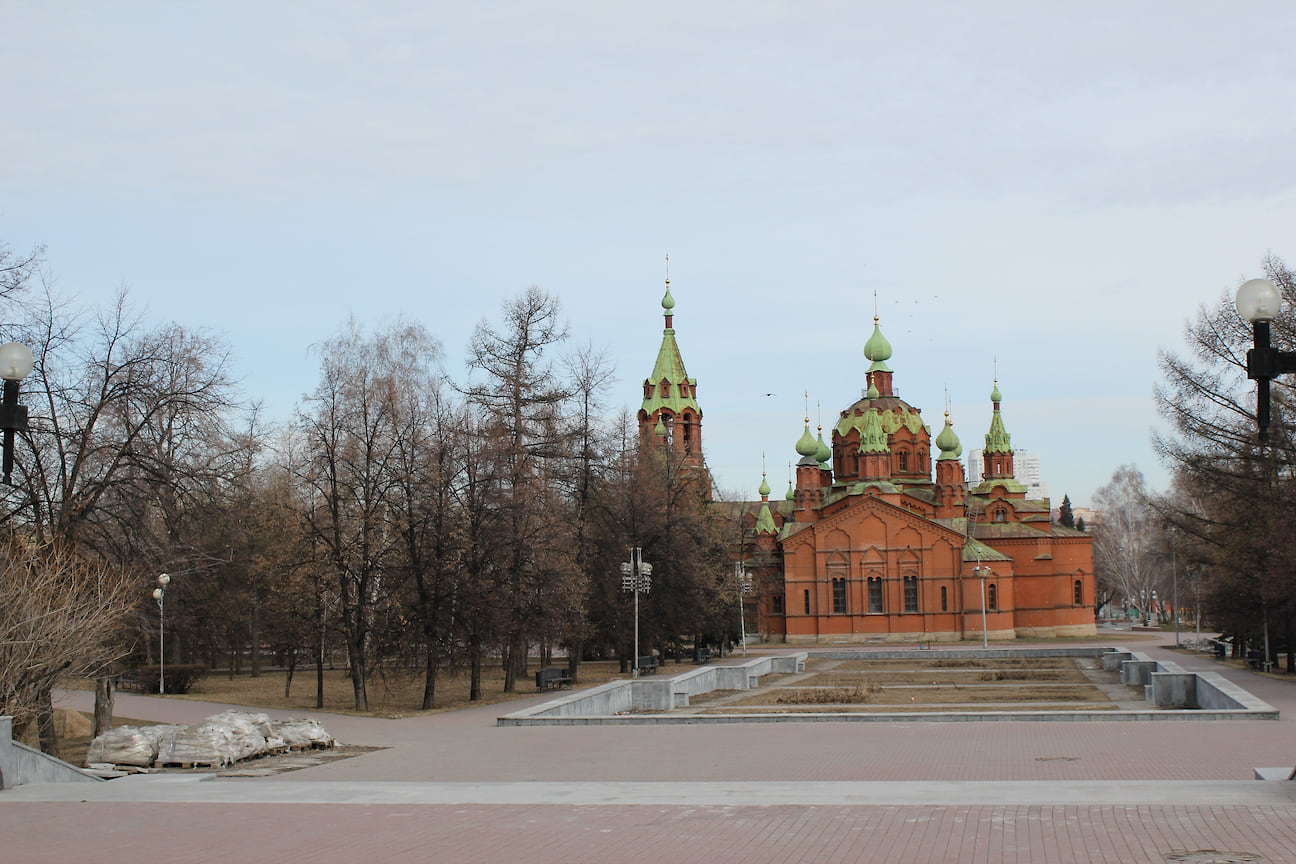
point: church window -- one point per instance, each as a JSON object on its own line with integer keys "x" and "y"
{"x": 1000, "y": 516}
{"x": 875, "y": 594}
{"x": 992, "y": 601}
{"x": 1079, "y": 593}
{"x": 807, "y": 601}
{"x": 904, "y": 461}
{"x": 776, "y": 604}
{"x": 839, "y": 596}
{"x": 911, "y": 593}
{"x": 944, "y": 600}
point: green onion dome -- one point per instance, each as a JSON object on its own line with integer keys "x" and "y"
{"x": 823, "y": 452}
{"x": 806, "y": 445}
{"x": 948, "y": 442}
{"x": 877, "y": 348}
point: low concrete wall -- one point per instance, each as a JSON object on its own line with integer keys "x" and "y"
{"x": 1215, "y": 693}
{"x": 1138, "y": 672}
{"x": 1175, "y": 690}
{"x": 20, "y": 764}
{"x": 1112, "y": 660}
{"x": 958, "y": 653}
{"x": 655, "y": 693}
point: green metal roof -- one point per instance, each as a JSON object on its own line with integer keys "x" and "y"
{"x": 670, "y": 368}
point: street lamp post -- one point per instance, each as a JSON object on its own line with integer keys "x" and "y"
{"x": 15, "y": 364}
{"x": 744, "y": 587}
{"x": 1174, "y": 586}
{"x": 636, "y": 576}
{"x": 159, "y": 594}
{"x": 980, "y": 571}
{"x": 1259, "y": 302}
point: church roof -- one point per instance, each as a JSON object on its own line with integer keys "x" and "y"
{"x": 670, "y": 368}
{"x": 997, "y": 440}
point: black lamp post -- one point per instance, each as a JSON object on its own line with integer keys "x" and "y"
{"x": 1259, "y": 302}
{"x": 15, "y": 365}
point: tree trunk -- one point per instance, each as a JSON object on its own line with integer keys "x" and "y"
{"x": 319, "y": 675}
{"x": 355, "y": 648}
{"x": 256, "y": 638}
{"x": 45, "y": 730}
{"x": 474, "y": 670}
{"x": 429, "y": 677}
{"x": 292, "y": 667}
{"x": 103, "y": 709}
{"x": 573, "y": 658}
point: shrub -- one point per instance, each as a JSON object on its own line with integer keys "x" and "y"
{"x": 180, "y": 677}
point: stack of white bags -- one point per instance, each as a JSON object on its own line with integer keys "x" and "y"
{"x": 223, "y": 739}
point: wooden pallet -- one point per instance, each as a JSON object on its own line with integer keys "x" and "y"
{"x": 187, "y": 765}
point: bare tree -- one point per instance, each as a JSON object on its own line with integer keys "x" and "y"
{"x": 17, "y": 270}
{"x": 1234, "y": 500}
{"x": 123, "y": 418}
{"x": 351, "y": 426}
{"x": 1127, "y": 543}
{"x": 60, "y": 615}
{"x": 522, "y": 399}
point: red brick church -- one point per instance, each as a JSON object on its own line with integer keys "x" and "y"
{"x": 868, "y": 546}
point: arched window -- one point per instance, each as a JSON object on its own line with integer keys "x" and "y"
{"x": 839, "y": 596}
{"x": 1000, "y": 515}
{"x": 992, "y": 601}
{"x": 904, "y": 461}
{"x": 875, "y": 594}
{"x": 1079, "y": 593}
{"x": 944, "y": 600}
{"x": 911, "y": 593}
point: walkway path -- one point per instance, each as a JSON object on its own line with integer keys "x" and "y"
{"x": 454, "y": 787}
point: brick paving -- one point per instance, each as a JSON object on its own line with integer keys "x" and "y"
{"x": 995, "y": 792}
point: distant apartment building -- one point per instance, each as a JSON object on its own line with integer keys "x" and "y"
{"x": 1026, "y": 471}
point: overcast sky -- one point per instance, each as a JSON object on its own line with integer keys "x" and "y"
{"x": 1055, "y": 186}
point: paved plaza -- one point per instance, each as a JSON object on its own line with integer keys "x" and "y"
{"x": 454, "y": 787}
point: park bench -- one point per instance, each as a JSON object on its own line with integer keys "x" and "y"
{"x": 647, "y": 665}
{"x": 130, "y": 681}
{"x": 702, "y": 655}
{"x": 552, "y": 678}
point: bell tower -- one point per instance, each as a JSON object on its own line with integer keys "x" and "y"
{"x": 670, "y": 418}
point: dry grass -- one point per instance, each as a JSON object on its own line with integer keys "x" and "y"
{"x": 390, "y": 694}
{"x": 1028, "y": 675}
{"x": 858, "y": 694}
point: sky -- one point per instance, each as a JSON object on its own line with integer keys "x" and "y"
{"x": 1042, "y": 191}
